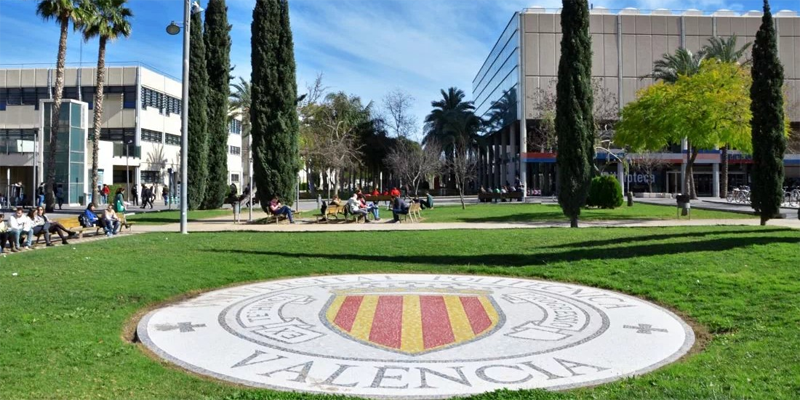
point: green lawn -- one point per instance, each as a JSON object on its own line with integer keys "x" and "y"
{"x": 515, "y": 212}
{"x": 62, "y": 318}
{"x": 169, "y": 217}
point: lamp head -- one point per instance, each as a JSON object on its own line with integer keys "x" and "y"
{"x": 196, "y": 9}
{"x": 173, "y": 28}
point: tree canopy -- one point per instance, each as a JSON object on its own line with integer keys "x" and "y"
{"x": 709, "y": 109}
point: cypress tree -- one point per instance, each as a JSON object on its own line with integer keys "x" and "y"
{"x": 273, "y": 115}
{"x": 218, "y": 49}
{"x": 198, "y": 118}
{"x": 574, "y": 120}
{"x": 767, "y": 123}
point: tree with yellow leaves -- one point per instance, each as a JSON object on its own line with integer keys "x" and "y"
{"x": 709, "y": 109}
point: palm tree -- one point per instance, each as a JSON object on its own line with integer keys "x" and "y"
{"x": 724, "y": 50}
{"x": 671, "y": 66}
{"x": 108, "y": 20}
{"x": 239, "y": 104}
{"x": 446, "y": 111}
{"x": 63, "y": 12}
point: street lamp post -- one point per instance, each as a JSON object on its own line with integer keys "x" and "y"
{"x": 127, "y": 172}
{"x": 189, "y": 8}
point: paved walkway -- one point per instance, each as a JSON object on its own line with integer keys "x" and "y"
{"x": 713, "y": 203}
{"x": 222, "y": 224}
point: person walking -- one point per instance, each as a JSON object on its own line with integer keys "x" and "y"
{"x": 165, "y": 195}
{"x": 135, "y": 195}
{"x": 106, "y": 192}
{"x": 60, "y": 196}
{"x": 40, "y": 195}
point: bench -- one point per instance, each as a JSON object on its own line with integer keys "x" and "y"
{"x": 376, "y": 199}
{"x": 414, "y": 210}
{"x": 279, "y": 217}
{"x": 488, "y": 197}
{"x": 332, "y": 210}
{"x": 72, "y": 224}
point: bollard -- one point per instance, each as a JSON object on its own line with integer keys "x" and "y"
{"x": 630, "y": 199}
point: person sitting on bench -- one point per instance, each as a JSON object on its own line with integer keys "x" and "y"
{"x": 398, "y": 207}
{"x": 354, "y": 207}
{"x": 427, "y": 202}
{"x": 90, "y": 217}
{"x": 56, "y": 227}
{"x": 4, "y": 236}
{"x": 19, "y": 224}
{"x": 370, "y": 207}
{"x": 111, "y": 221}
{"x": 40, "y": 225}
{"x": 277, "y": 209}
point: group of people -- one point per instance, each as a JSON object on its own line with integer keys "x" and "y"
{"x": 507, "y": 188}
{"x": 113, "y": 215}
{"x": 358, "y": 205}
{"x": 149, "y": 195}
{"x": 34, "y": 223}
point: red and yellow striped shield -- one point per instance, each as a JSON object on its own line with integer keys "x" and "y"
{"x": 412, "y": 323}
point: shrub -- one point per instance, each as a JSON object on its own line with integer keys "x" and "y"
{"x": 605, "y": 192}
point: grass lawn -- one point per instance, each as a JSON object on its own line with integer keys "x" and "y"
{"x": 62, "y": 317}
{"x": 170, "y": 217}
{"x": 552, "y": 212}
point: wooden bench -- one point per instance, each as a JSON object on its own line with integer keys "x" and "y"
{"x": 72, "y": 224}
{"x": 280, "y": 217}
{"x": 332, "y": 210}
{"x": 414, "y": 210}
{"x": 376, "y": 199}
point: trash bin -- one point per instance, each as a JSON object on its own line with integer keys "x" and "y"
{"x": 684, "y": 204}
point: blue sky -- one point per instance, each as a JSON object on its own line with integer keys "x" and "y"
{"x": 363, "y": 47}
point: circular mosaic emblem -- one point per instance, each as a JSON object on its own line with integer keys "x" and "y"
{"x": 415, "y": 336}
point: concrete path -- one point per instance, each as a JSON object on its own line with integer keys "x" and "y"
{"x": 223, "y": 224}
{"x": 713, "y": 203}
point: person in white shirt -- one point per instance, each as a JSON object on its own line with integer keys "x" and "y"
{"x": 354, "y": 207}
{"x": 3, "y": 233}
{"x": 111, "y": 220}
{"x": 20, "y": 224}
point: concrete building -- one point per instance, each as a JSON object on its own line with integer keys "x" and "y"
{"x": 520, "y": 73}
{"x": 139, "y": 141}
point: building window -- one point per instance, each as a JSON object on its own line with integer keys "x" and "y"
{"x": 235, "y": 127}
{"x": 151, "y": 136}
{"x": 235, "y": 150}
{"x": 234, "y": 177}
{"x": 164, "y": 103}
{"x": 123, "y": 135}
{"x": 151, "y": 177}
{"x": 174, "y": 140}
{"x": 17, "y": 140}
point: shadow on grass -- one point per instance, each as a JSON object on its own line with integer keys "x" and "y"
{"x": 519, "y": 260}
{"x": 639, "y": 239}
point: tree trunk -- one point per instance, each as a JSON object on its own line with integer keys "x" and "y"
{"x": 98, "y": 115}
{"x": 689, "y": 179}
{"x": 573, "y": 222}
{"x": 55, "y": 117}
{"x": 724, "y": 192}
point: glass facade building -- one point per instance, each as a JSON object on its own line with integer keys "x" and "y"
{"x": 70, "y": 148}
{"x": 496, "y": 86}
